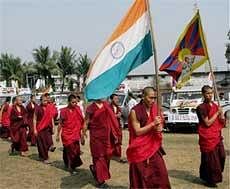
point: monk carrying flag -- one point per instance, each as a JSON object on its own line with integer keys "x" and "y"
{"x": 145, "y": 154}
{"x": 211, "y": 122}
{"x": 70, "y": 126}
{"x": 18, "y": 127}
{"x": 43, "y": 118}
{"x": 104, "y": 137}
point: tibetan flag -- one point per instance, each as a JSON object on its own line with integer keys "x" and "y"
{"x": 128, "y": 47}
{"x": 189, "y": 54}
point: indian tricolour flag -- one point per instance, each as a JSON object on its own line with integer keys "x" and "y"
{"x": 128, "y": 47}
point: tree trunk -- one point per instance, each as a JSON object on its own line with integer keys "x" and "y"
{"x": 63, "y": 83}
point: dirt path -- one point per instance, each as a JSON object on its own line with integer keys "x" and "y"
{"x": 182, "y": 159}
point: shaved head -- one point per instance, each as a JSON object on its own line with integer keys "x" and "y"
{"x": 148, "y": 90}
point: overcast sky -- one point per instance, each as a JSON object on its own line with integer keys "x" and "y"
{"x": 84, "y": 25}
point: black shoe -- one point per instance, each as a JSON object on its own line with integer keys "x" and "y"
{"x": 102, "y": 185}
{"x": 211, "y": 185}
{"x": 52, "y": 149}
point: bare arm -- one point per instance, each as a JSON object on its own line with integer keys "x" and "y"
{"x": 142, "y": 130}
{"x": 35, "y": 124}
{"x": 1, "y": 111}
{"x": 209, "y": 121}
{"x": 58, "y": 131}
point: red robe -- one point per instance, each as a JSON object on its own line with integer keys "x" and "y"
{"x": 211, "y": 145}
{"x": 18, "y": 129}
{"x": 104, "y": 136}
{"x": 209, "y": 137}
{"x": 5, "y": 133}
{"x": 44, "y": 137}
{"x": 145, "y": 154}
{"x": 31, "y": 109}
{"x": 117, "y": 148}
{"x": 72, "y": 122}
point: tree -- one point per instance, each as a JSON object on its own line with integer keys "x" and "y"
{"x": 66, "y": 63}
{"x": 83, "y": 65}
{"x": 29, "y": 74}
{"x": 45, "y": 64}
{"x": 11, "y": 69}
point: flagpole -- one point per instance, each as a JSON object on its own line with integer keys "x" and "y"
{"x": 154, "y": 60}
{"x": 210, "y": 64}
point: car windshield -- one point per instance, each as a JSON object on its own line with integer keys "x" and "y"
{"x": 121, "y": 99}
{"x": 61, "y": 100}
{"x": 2, "y": 99}
{"x": 187, "y": 95}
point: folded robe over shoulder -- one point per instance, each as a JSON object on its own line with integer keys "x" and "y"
{"x": 145, "y": 146}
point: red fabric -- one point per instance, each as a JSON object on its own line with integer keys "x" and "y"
{"x": 72, "y": 122}
{"x": 101, "y": 169}
{"x": 104, "y": 130}
{"x": 209, "y": 137}
{"x": 18, "y": 128}
{"x": 143, "y": 147}
{"x": 71, "y": 155}
{"x": 53, "y": 109}
{"x": 151, "y": 174}
{"x": 43, "y": 143}
{"x": 117, "y": 148}
{"x": 6, "y": 115}
{"x": 47, "y": 117}
{"x": 30, "y": 114}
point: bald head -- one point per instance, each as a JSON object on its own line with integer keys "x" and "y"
{"x": 148, "y": 90}
{"x": 149, "y": 96}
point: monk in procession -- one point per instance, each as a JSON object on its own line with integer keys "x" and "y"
{"x": 43, "y": 118}
{"x": 18, "y": 127}
{"x": 104, "y": 137}
{"x": 71, "y": 125}
{"x": 31, "y": 106}
{"x": 145, "y": 154}
{"x": 52, "y": 107}
{"x": 5, "y": 119}
{"x": 211, "y": 122}
{"x": 117, "y": 111}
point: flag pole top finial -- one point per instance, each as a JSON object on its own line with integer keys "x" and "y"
{"x": 196, "y": 8}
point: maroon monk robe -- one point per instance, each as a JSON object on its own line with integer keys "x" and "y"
{"x": 104, "y": 135}
{"x": 30, "y": 113}
{"x": 44, "y": 118}
{"x": 5, "y": 121}
{"x": 18, "y": 124}
{"x": 211, "y": 145}
{"x": 71, "y": 125}
{"x": 145, "y": 154}
{"x": 117, "y": 148}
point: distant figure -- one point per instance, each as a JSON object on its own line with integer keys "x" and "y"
{"x": 70, "y": 126}
{"x": 132, "y": 101}
{"x": 18, "y": 127}
{"x": 145, "y": 153}
{"x": 117, "y": 111}
{"x": 80, "y": 103}
{"x": 211, "y": 122}
{"x": 31, "y": 106}
{"x": 5, "y": 119}
{"x": 221, "y": 96}
{"x": 104, "y": 137}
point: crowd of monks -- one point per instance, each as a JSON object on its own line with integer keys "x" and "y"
{"x": 101, "y": 122}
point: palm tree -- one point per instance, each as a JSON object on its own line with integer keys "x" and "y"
{"x": 66, "y": 62}
{"x": 29, "y": 73}
{"x": 11, "y": 69}
{"x": 83, "y": 65}
{"x": 45, "y": 64}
